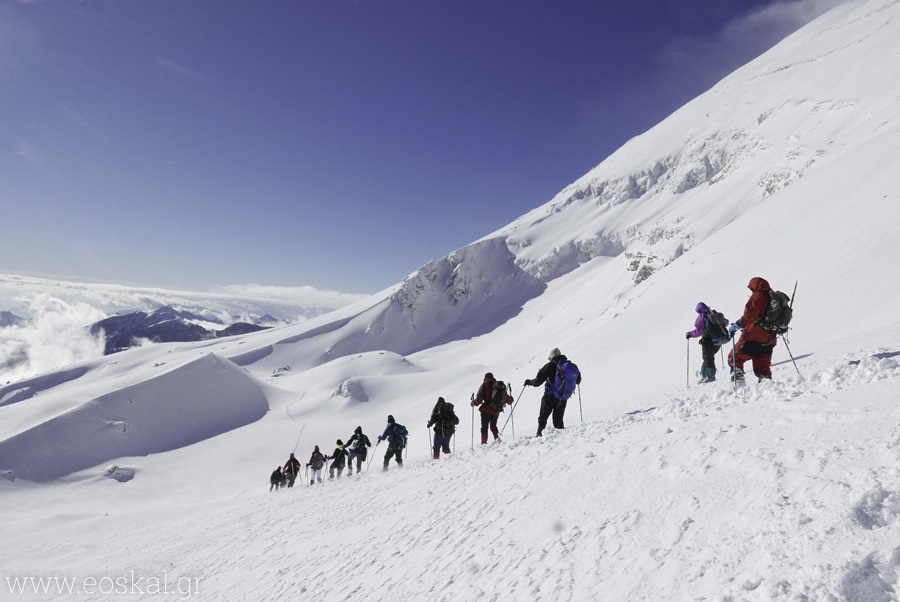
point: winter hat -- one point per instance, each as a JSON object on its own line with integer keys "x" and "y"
{"x": 358, "y": 430}
{"x": 489, "y": 376}
{"x": 702, "y": 308}
{"x": 554, "y": 353}
{"x": 758, "y": 285}
{"x": 317, "y": 448}
{"x": 339, "y": 442}
{"x": 390, "y": 419}
{"x": 441, "y": 400}
{"x": 292, "y": 455}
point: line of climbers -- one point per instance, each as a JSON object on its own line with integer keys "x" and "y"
{"x": 766, "y": 315}
{"x": 343, "y": 456}
{"x": 559, "y": 376}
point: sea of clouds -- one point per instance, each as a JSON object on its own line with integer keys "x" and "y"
{"x": 54, "y": 334}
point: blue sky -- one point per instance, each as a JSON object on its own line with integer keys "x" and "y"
{"x": 337, "y": 144}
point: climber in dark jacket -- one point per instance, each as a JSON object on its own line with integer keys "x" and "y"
{"x": 338, "y": 458}
{"x": 550, "y": 403}
{"x": 444, "y": 420}
{"x": 357, "y": 445}
{"x": 395, "y": 443}
{"x": 276, "y": 480}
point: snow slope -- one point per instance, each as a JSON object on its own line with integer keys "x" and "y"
{"x": 788, "y": 491}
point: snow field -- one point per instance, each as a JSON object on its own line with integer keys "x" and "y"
{"x": 786, "y": 491}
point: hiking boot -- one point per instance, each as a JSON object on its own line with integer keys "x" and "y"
{"x": 437, "y": 455}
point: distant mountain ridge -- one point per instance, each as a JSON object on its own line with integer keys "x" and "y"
{"x": 165, "y": 325}
{"x": 7, "y": 318}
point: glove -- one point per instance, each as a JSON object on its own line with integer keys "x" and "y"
{"x": 733, "y": 329}
{"x": 380, "y": 438}
{"x": 527, "y": 383}
{"x": 687, "y": 335}
{"x": 473, "y": 403}
{"x": 428, "y": 425}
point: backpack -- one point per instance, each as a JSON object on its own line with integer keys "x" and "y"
{"x": 498, "y": 396}
{"x": 566, "y": 378}
{"x": 778, "y": 314}
{"x": 399, "y": 436}
{"x": 447, "y": 415}
{"x": 715, "y": 325}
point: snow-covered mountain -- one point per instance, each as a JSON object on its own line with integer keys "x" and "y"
{"x": 789, "y": 490}
{"x": 165, "y": 325}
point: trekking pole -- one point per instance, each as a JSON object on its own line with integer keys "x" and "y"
{"x": 733, "y": 365}
{"x": 428, "y": 438}
{"x": 471, "y": 403}
{"x": 791, "y": 306}
{"x": 792, "y": 356}
{"x": 513, "y": 410}
{"x": 722, "y": 350}
{"x": 370, "y": 457}
{"x": 579, "y": 404}
{"x": 688, "y": 373}
{"x": 511, "y": 415}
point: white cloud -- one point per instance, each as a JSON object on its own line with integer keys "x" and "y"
{"x": 54, "y": 336}
{"x": 304, "y": 296}
{"x": 286, "y": 303}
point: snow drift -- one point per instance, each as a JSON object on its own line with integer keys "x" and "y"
{"x": 199, "y": 400}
